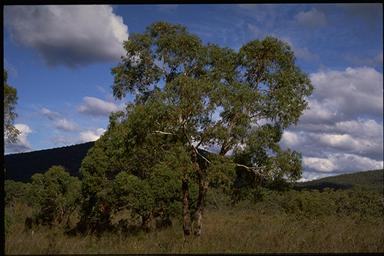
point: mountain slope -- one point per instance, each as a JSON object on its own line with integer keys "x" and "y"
{"x": 20, "y": 167}
{"x": 373, "y": 180}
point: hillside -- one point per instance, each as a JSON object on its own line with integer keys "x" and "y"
{"x": 372, "y": 180}
{"x": 20, "y": 167}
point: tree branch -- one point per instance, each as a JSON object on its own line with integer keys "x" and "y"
{"x": 197, "y": 151}
{"x": 166, "y": 133}
{"x": 256, "y": 170}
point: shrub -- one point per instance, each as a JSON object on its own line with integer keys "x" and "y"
{"x": 56, "y": 194}
{"x": 17, "y": 191}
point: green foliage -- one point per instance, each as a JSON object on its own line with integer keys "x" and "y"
{"x": 221, "y": 173}
{"x": 134, "y": 193}
{"x": 16, "y": 191}
{"x": 10, "y": 100}
{"x": 312, "y": 203}
{"x": 56, "y": 195}
{"x": 190, "y": 96}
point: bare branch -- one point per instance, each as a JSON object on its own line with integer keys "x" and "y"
{"x": 161, "y": 132}
{"x": 197, "y": 151}
{"x": 255, "y": 169}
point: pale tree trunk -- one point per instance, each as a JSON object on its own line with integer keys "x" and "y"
{"x": 198, "y": 216}
{"x": 186, "y": 214}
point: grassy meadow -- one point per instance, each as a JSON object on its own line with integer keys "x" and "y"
{"x": 291, "y": 221}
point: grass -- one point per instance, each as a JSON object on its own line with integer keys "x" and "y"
{"x": 243, "y": 228}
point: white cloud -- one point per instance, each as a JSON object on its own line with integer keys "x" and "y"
{"x": 312, "y": 18}
{"x": 65, "y": 125}
{"x": 59, "y": 122}
{"x": 291, "y": 139}
{"x": 319, "y": 112}
{"x": 357, "y": 128}
{"x": 50, "y": 114}
{"x": 90, "y": 135}
{"x": 342, "y": 131}
{"x": 70, "y": 35}
{"x": 351, "y": 144}
{"x": 319, "y": 164}
{"x": 353, "y": 92}
{"x": 97, "y": 107}
{"x": 22, "y": 143}
{"x": 341, "y": 163}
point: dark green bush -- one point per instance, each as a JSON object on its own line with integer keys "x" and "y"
{"x": 312, "y": 203}
{"x": 56, "y": 195}
{"x": 16, "y": 191}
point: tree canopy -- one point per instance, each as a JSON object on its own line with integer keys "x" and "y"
{"x": 200, "y": 110}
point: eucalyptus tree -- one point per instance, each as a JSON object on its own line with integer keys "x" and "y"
{"x": 220, "y": 109}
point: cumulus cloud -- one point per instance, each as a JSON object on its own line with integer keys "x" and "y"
{"x": 312, "y": 18}
{"x": 91, "y": 135}
{"x": 352, "y": 93}
{"x": 70, "y": 35}
{"x": 341, "y": 163}
{"x": 97, "y": 107}
{"x": 342, "y": 131}
{"x": 59, "y": 122}
{"x": 319, "y": 112}
{"x": 22, "y": 143}
{"x": 291, "y": 139}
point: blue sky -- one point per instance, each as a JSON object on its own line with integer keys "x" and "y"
{"x": 59, "y": 58}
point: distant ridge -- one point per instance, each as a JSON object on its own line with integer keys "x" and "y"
{"x": 372, "y": 180}
{"x": 21, "y": 166}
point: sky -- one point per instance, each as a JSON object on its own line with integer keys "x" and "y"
{"x": 59, "y": 58}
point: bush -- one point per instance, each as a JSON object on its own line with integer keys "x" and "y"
{"x": 17, "y": 191}
{"x": 56, "y": 195}
{"x": 312, "y": 203}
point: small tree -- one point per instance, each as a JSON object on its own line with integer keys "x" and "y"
{"x": 56, "y": 194}
{"x": 17, "y": 191}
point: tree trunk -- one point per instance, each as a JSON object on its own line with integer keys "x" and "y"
{"x": 198, "y": 216}
{"x": 186, "y": 214}
{"x": 146, "y": 222}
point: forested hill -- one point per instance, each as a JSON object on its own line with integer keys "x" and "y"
{"x": 373, "y": 180}
{"x": 21, "y": 166}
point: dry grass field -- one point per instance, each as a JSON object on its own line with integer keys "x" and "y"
{"x": 240, "y": 229}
